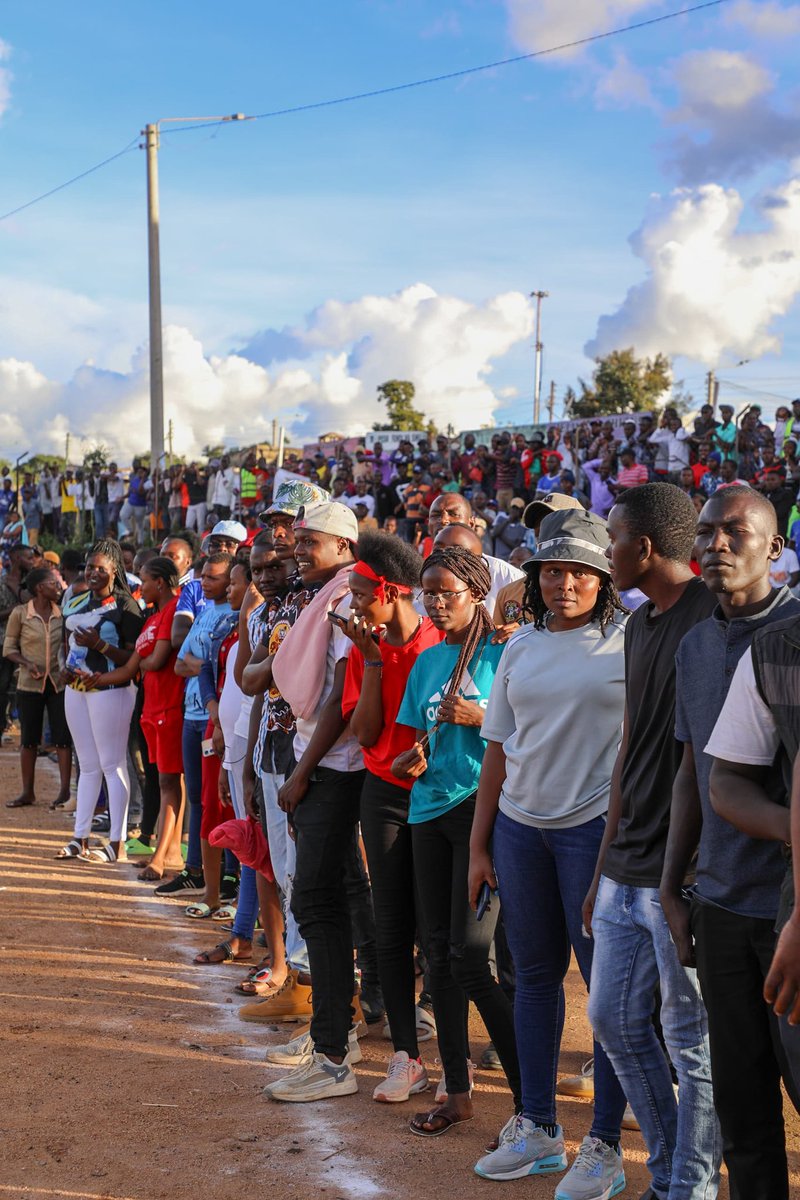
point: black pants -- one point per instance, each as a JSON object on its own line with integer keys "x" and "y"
{"x": 747, "y": 1060}
{"x": 326, "y": 824}
{"x": 458, "y": 948}
{"x": 7, "y": 669}
{"x": 387, "y": 839}
{"x": 31, "y": 708}
{"x": 145, "y": 770}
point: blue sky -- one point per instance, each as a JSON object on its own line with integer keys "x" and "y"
{"x": 529, "y": 176}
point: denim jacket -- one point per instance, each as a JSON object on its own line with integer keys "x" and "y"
{"x": 209, "y": 672}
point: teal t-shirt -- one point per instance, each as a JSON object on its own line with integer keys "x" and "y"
{"x": 455, "y": 752}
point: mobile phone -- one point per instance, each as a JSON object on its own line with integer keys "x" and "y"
{"x": 484, "y": 901}
{"x": 207, "y": 747}
{"x": 337, "y": 619}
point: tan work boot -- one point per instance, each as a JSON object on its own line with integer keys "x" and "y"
{"x": 292, "y": 1002}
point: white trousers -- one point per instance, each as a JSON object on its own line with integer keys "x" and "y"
{"x": 99, "y": 723}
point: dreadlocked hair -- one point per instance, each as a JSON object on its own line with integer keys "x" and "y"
{"x": 607, "y": 605}
{"x": 113, "y": 551}
{"x": 473, "y": 571}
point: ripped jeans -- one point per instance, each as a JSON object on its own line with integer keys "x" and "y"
{"x": 458, "y": 948}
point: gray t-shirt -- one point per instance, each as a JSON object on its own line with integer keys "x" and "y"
{"x": 557, "y": 705}
{"x": 734, "y": 871}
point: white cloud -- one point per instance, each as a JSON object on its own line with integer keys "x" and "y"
{"x": 5, "y": 77}
{"x": 731, "y": 127}
{"x": 623, "y": 86}
{"x": 765, "y": 18}
{"x": 712, "y": 290}
{"x": 325, "y": 377}
{"x": 540, "y": 24}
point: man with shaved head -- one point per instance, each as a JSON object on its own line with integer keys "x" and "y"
{"x": 452, "y": 509}
{"x": 727, "y": 927}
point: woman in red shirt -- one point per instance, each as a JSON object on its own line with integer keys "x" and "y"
{"x": 382, "y": 585}
{"x": 162, "y": 715}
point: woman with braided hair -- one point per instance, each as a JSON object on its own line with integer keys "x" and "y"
{"x": 101, "y": 626}
{"x": 444, "y": 702}
{"x": 553, "y": 724}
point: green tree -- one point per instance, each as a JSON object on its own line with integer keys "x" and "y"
{"x": 398, "y": 396}
{"x": 621, "y": 382}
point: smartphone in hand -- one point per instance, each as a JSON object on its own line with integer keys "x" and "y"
{"x": 484, "y": 901}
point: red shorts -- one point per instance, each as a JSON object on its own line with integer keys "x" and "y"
{"x": 163, "y": 732}
{"x": 214, "y": 813}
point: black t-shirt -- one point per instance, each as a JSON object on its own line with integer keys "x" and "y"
{"x": 782, "y": 501}
{"x": 197, "y": 487}
{"x": 636, "y": 856}
{"x": 118, "y": 620}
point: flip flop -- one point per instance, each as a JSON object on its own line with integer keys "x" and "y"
{"x": 445, "y": 1123}
{"x": 204, "y": 959}
{"x": 104, "y": 855}
{"x": 73, "y": 849}
{"x": 258, "y": 983}
{"x": 226, "y": 912}
{"x": 198, "y": 912}
{"x": 20, "y": 802}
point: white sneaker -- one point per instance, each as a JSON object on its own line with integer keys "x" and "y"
{"x": 317, "y": 1079}
{"x": 596, "y": 1174}
{"x": 404, "y": 1078}
{"x": 441, "y": 1091}
{"x": 578, "y": 1085}
{"x": 426, "y": 1026}
{"x": 300, "y": 1049}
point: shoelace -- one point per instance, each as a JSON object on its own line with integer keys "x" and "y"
{"x": 588, "y": 1155}
{"x": 512, "y": 1130}
{"x": 397, "y": 1067}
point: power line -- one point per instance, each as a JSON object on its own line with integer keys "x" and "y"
{"x": 503, "y": 62}
{"x": 385, "y": 91}
{"x": 67, "y": 183}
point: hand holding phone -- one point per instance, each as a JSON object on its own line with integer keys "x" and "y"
{"x": 484, "y": 901}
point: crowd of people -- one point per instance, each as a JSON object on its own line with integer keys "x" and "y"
{"x": 592, "y": 460}
{"x": 538, "y": 701}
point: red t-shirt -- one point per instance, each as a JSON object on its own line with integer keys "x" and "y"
{"x": 163, "y": 690}
{"x": 397, "y": 664}
{"x": 699, "y": 470}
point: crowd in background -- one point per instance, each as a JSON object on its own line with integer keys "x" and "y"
{"x": 438, "y": 720}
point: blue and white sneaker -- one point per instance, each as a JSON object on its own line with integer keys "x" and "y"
{"x": 596, "y": 1174}
{"x": 525, "y": 1149}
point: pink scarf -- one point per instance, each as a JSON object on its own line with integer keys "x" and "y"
{"x": 298, "y": 669}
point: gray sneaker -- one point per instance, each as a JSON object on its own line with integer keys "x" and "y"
{"x": 524, "y": 1149}
{"x": 298, "y": 1051}
{"x": 317, "y": 1079}
{"x": 596, "y": 1174}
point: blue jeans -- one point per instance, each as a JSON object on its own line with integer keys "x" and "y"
{"x": 193, "y": 733}
{"x": 543, "y": 876}
{"x": 247, "y": 903}
{"x": 633, "y": 955}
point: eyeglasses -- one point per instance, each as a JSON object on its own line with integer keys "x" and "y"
{"x": 445, "y": 596}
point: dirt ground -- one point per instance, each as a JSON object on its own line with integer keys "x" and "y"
{"x": 128, "y": 1075}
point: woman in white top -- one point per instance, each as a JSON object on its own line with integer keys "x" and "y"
{"x": 553, "y": 724}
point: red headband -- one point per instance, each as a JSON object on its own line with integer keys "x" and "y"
{"x": 361, "y": 568}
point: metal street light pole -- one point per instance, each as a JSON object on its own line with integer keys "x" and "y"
{"x": 151, "y": 135}
{"x": 537, "y": 369}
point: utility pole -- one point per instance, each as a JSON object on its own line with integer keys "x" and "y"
{"x": 711, "y": 388}
{"x": 169, "y": 442}
{"x": 537, "y": 369}
{"x": 66, "y": 451}
{"x": 151, "y": 135}
{"x": 551, "y": 403}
